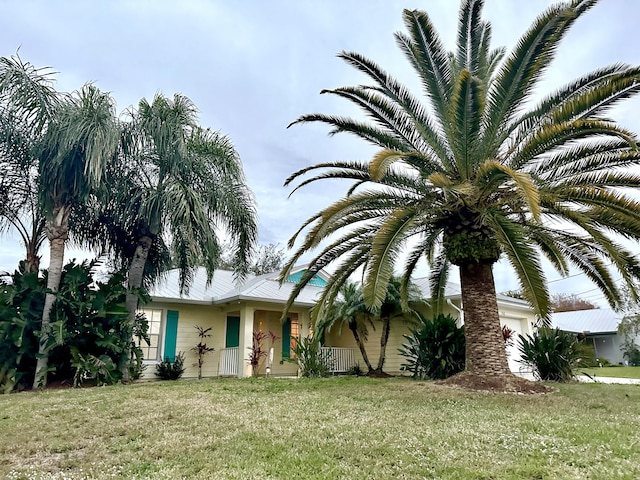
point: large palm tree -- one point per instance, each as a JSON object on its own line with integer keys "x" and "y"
{"x": 67, "y": 140}
{"x": 483, "y": 169}
{"x": 177, "y": 186}
{"x": 80, "y": 138}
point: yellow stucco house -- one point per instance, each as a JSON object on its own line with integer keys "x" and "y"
{"x": 234, "y": 311}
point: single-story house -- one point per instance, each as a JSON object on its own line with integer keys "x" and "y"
{"x": 599, "y": 325}
{"x": 234, "y": 311}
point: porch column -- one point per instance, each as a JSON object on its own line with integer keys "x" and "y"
{"x": 246, "y": 341}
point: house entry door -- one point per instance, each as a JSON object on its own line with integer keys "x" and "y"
{"x": 233, "y": 332}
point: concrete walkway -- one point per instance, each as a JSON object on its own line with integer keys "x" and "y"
{"x": 584, "y": 378}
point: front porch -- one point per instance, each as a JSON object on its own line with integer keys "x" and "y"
{"x": 341, "y": 360}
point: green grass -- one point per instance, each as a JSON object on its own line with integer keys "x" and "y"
{"x": 338, "y": 428}
{"x": 617, "y": 372}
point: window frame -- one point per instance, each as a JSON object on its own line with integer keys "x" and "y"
{"x": 142, "y": 344}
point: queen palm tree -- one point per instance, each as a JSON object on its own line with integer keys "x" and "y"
{"x": 80, "y": 138}
{"x": 27, "y": 99}
{"x": 67, "y": 140}
{"x": 483, "y": 170}
{"x": 175, "y": 188}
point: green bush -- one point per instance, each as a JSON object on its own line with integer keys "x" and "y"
{"x": 21, "y": 303}
{"x": 90, "y": 328}
{"x": 552, "y": 353}
{"x": 434, "y": 349}
{"x": 309, "y": 357}
{"x": 168, "y": 370}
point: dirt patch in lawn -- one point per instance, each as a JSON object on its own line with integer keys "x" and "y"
{"x": 497, "y": 383}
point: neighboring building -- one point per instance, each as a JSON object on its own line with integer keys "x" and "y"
{"x": 599, "y": 325}
{"x": 235, "y": 311}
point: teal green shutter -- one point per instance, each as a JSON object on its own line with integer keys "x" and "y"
{"x": 233, "y": 332}
{"x": 286, "y": 339}
{"x": 170, "y": 335}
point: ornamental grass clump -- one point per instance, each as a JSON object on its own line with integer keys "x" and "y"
{"x": 435, "y": 348}
{"x": 552, "y": 353}
{"x": 310, "y": 359}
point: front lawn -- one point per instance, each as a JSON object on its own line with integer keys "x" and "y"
{"x": 617, "y": 372}
{"x": 338, "y": 428}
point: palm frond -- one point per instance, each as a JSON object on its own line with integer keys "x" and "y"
{"x": 522, "y": 257}
{"x": 438, "y": 283}
{"x": 385, "y": 248}
{"x": 427, "y": 55}
{"x": 518, "y": 75}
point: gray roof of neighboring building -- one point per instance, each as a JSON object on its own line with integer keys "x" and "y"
{"x": 599, "y": 320}
{"x": 223, "y": 288}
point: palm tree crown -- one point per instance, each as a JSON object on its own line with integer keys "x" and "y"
{"x": 476, "y": 173}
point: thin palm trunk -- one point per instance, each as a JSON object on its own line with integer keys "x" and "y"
{"x": 354, "y": 329}
{"x": 57, "y": 233}
{"x": 384, "y": 339}
{"x": 485, "y": 351}
{"x": 33, "y": 243}
{"x": 135, "y": 276}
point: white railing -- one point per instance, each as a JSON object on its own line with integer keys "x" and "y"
{"x": 340, "y": 359}
{"x": 228, "y": 365}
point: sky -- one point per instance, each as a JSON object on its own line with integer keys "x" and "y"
{"x": 254, "y": 66}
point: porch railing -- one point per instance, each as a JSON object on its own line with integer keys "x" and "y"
{"x": 340, "y": 359}
{"x": 228, "y": 366}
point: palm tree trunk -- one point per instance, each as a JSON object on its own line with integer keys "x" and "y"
{"x": 57, "y": 233}
{"x": 384, "y": 339}
{"x": 485, "y": 350}
{"x": 32, "y": 262}
{"x": 135, "y": 276}
{"x": 360, "y": 343}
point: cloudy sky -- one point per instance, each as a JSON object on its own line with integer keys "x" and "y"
{"x": 253, "y": 66}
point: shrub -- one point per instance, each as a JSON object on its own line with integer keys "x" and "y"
{"x": 434, "y": 349}
{"x": 168, "y": 370}
{"x": 309, "y": 357}
{"x": 552, "y": 353}
{"x": 89, "y": 323}
{"x": 21, "y": 302}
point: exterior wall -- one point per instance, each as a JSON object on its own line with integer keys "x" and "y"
{"x": 265, "y": 317}
{"x": 190, "y": 315}
{"x": 517, "y": 319}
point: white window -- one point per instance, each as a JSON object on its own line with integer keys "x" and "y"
{"x": 151, "y": 352}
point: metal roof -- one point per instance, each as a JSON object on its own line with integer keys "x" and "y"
{"x": 599, "y": 320}
{"x": 266, "y": 288}
{"x": 223, "y": 288}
